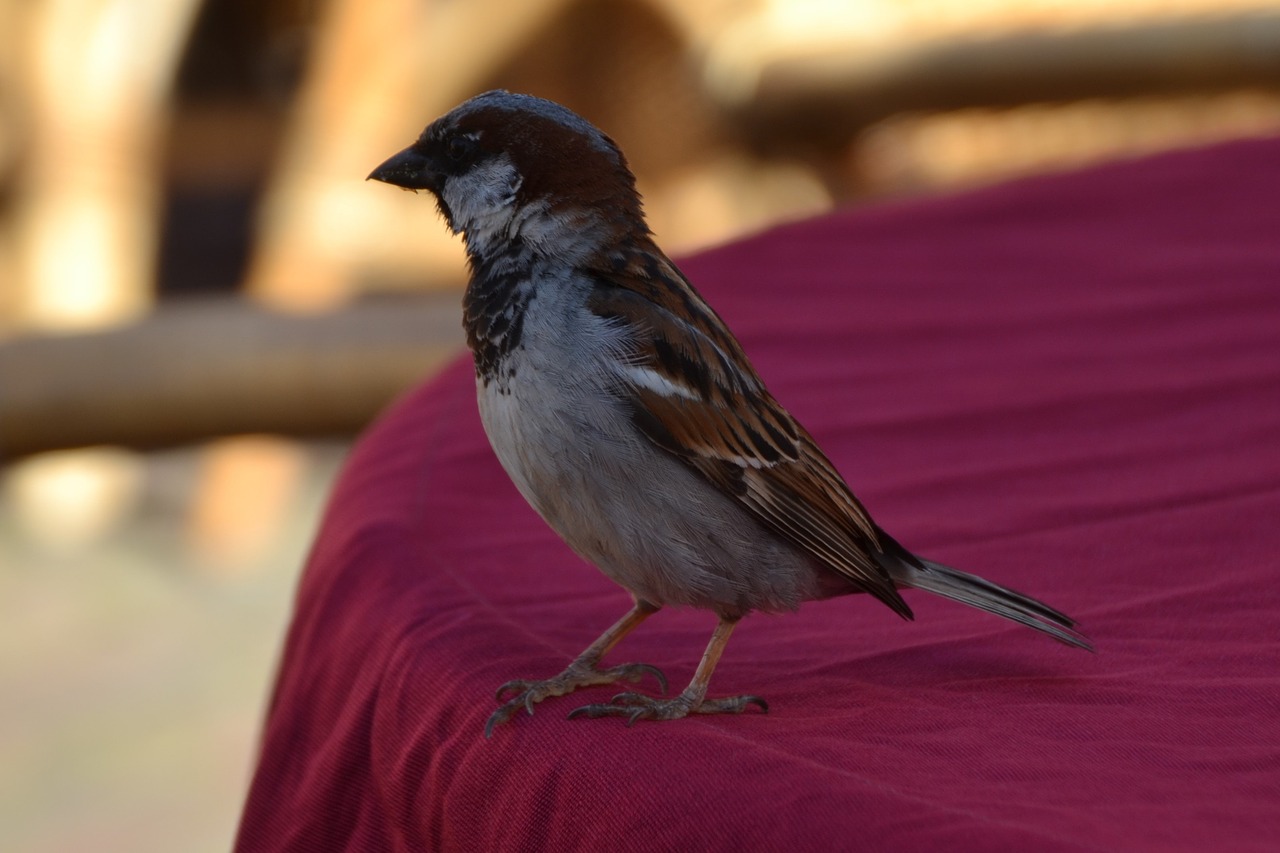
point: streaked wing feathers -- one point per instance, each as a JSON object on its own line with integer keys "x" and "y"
{"x": 695, "y": 394}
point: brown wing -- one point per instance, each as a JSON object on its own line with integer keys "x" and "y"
{"x": 694, "y": 393}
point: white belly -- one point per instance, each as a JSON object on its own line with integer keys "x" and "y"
{"x": 639, "y": 514}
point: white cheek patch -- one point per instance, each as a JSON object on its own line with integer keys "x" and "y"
{"x": 484, "y": 195}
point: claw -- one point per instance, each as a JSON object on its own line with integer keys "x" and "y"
{"x": 528, "y": 693}
{"x": 637, "y": 706}
{"x": 495, "y": 719}
{"x": 642, "y": 668}
{"x": 509, "y": 708}
{"x": 515, "y": 684}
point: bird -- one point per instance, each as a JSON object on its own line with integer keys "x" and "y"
{"x": 629, "y": 417}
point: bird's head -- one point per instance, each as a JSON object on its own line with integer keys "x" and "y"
{"x": 506, "y": 167}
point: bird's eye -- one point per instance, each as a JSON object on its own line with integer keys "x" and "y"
{"x": 459, "y": 148}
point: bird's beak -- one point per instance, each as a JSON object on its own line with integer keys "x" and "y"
{"x": 409, "y": 169}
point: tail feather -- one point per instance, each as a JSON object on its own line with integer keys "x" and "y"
{"x": 993, "y": 598}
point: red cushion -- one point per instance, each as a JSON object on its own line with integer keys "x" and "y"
{"x": 1069, "y": 385}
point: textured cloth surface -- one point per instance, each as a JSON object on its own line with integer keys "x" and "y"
{"x": 1068, "y": 385}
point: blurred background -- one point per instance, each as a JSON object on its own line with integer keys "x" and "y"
{"x": 202, "y": 301}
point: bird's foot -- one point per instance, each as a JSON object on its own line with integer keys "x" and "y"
{"x": 636, "y": 706}
{"x": 579, "y": 674}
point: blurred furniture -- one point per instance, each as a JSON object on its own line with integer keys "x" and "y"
{"x": 821, "y": 98}
{"x": 199, "y": 369}
{"x": 1070, "y": 385}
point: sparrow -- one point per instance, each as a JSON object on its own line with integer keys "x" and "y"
{"x": 628, "y": 416}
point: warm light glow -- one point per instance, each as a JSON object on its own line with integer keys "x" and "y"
{"x": 82, "y": 264}
{"x": 70, "y": 499}
{"x": 248, "y": 485}
{"x": 729, "y": 196}
{"x": 86, "y": 219}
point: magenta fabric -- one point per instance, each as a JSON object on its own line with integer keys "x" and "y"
{"x": 1069, "y": 385}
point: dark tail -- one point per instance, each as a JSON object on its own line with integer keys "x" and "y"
{"x": 993, "y": 598}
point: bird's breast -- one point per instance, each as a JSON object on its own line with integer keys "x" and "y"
{"x": 494, "y": 310}
{"x": 563, "y": 439}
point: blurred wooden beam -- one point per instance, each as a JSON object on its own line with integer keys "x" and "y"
{"x": 823, "y": 99}
{"x": 193, "y": 371}
{"x": 93, "y": 83}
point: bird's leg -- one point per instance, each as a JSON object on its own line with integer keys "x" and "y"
{"x": 636, "y": 706}
{"x": 585, "y": 671}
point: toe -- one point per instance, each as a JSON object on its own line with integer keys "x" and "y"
{"x": 636, "y": 706}
{"x": 599, "y": 710}
{"x": 522, "y": 693}
{"x": 498, "y": 717}
{"x": 731, "y": 705}
{"x": 635, "y": 672}
{"x": 519, "y": 685}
